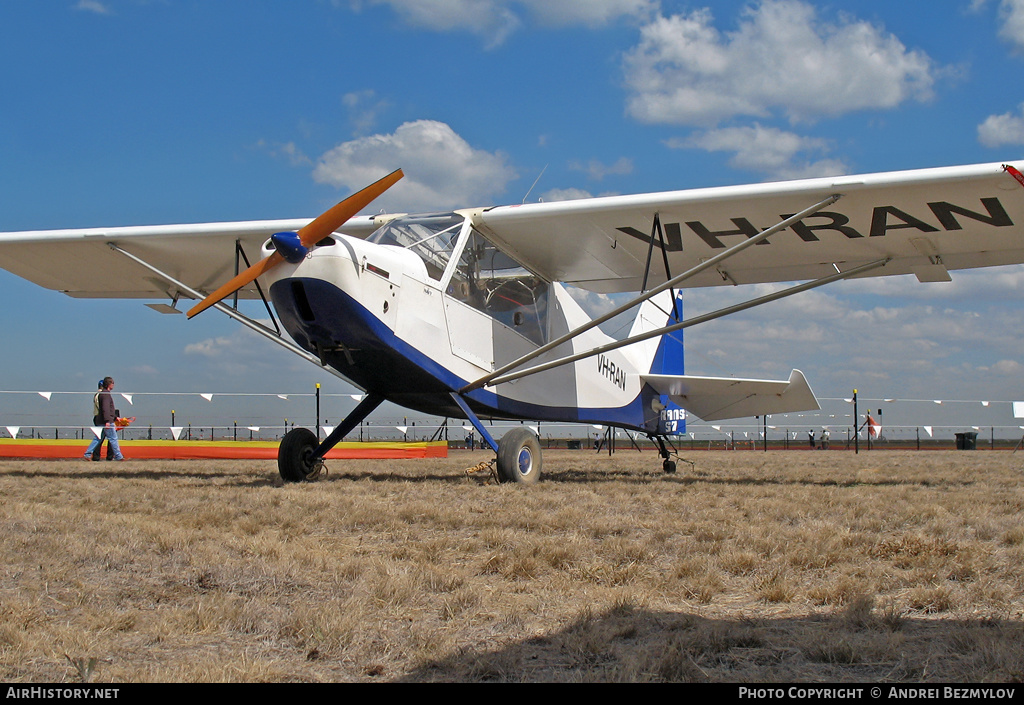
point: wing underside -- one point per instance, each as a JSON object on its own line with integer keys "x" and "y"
{"x": 81, "y": 264}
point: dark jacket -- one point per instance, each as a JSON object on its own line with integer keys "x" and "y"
{"x": 108, "y": 415}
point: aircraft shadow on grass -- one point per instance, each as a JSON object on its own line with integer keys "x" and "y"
{"x": 858, "y": 644}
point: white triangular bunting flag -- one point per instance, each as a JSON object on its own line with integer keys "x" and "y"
{"x": 13, "y": 430}
{"x": 357, "y": 397}
{"x": 253, "y": 428}
{"x": 207, "y": 397}
{"x": 283, "y": 396}
{"x": 328, "y": 430}
{"x": 176, "y": 431}
{"x": 127, "y": 398}
{"x": 928, "y": 430}
{"x": 97, "y": 431}
{"x": 45, "y": 395}
{"x": 402, "y": 429}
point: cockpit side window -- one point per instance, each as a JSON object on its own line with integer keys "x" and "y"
{"x": 491, "y": 281}
{"x": 431, "y": 237}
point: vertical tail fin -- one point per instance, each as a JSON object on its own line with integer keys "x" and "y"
{"x": 666, "y": 352}
{"x": 668, "y": 357}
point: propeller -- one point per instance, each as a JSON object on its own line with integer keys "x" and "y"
{"x": 296, "y": 245}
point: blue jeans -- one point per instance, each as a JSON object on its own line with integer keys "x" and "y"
{"x": 111, "y": 435}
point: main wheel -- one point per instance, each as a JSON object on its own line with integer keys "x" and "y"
{"x": 519, "y": 458}
{"x": 295, "y": 459}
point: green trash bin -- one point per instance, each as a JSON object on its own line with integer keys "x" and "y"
{"x": 967, "y": 441}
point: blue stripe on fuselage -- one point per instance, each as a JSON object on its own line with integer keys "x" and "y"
{"x": 389, "y": 366}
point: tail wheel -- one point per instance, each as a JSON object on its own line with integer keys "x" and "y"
{"x": 295, "y": 459}
{"x": 519, "y": 456}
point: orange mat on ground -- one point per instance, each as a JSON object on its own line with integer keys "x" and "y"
{"x": 216, "y": 450}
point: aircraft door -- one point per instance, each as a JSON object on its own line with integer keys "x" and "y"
{"x": 470, "y": 333}
{"x": 494, "y": 296}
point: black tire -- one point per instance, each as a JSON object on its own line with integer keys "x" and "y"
{"x": 669, "y": 466}
{"x": 519, "y": 457}
{"x": 295, "y": 456}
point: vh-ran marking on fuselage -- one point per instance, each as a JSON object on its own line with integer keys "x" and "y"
{"x": 469, "y": 313}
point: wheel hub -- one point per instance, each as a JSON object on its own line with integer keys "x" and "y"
{"x": 525, "y": 461}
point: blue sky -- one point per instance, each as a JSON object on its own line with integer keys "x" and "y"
{"x": 120, "y": 112}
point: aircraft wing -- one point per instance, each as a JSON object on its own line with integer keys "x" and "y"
{"x": 927, "y": 221}
{"x": 717, "y": 398}
{"x": 80, "y": 263}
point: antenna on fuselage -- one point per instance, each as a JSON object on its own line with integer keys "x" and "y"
{"x": 535, "y": 182}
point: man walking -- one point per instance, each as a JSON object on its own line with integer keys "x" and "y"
{"x": 108, "y": 417}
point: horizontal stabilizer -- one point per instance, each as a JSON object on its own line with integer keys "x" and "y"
{"x": 715, "y": 398}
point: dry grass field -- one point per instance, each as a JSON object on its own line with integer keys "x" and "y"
{"x": 749, "y": 566}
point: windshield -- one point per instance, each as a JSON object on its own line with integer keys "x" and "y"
{"x": 431, "y": 237}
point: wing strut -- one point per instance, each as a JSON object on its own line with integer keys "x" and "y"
{"x": 240, "y": 252}
{"x": 693, "y": 321}
{"x": 693, "y": 271}
{"x": 241, "y": 318}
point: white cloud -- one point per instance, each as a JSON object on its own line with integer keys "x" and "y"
{"x": 211, "y": 347}
{"x": 93, "y": 6}
{"x": 364, "y": 107}
{"x": 782, "y": 59}
{"x": 998, "y": 130}
{"x": 774, "y": 152}
{"x": 286, "y": 150}
{"x": 588, "y": 12}
{"x": 1013, "y": 27}
{"x": 565, "y": 194}
{"x": 488, "y": 18}
{"x": 1011, "y": 12}
{"x": 1008, "y": 368}
{"x": 495, "y": 20}
{"x": 597, "y": 170}
{"x": 441, "y": 169}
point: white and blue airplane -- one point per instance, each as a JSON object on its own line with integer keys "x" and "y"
{"x": 467, "y": 314}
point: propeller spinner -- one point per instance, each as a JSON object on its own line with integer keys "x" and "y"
{"x": 297, "y": 244}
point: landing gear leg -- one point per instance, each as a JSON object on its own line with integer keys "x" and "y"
{"x": 668, "y": 464}
{"x": 519, "y": 456}
{"x": 300, "y": 458}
